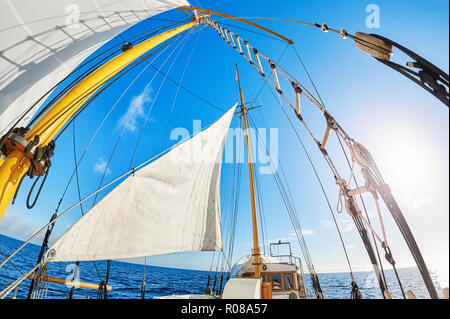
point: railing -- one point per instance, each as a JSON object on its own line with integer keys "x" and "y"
{"x": 294, "y": 260}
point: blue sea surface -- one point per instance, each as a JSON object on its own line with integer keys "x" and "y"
{"x": 126, "y": 278}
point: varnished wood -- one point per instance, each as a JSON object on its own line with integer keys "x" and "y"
{"x": 61, "y": 281}
{"x": 256, "y": 251}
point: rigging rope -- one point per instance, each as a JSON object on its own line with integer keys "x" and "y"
{"x": 50, "y": 228}
{"x": 261, "y": 210}
{"x": 351, "y": 166}
{"x": 234, "y": 207}
{"x": 331, "y": 124}
{"x": 102, "y": 288}
{"x": 77, "y": 264}
{"x": 343, "y": 245}
{"x": 365, "y": 209}
{"x": 290, "y": 207}
{"x": 178, "y": 89}
{"x": 78, "y": 100}
{"x": 159, "y": 90}
{"x": 98, "y": 129}
{"x": 230, "y": 235}
{"x": 143, "y": 284}
{"x": 5, "y": 292}
{"x": 270, "y": 75}
{"x": 318, "y": 179}
{"x": 207, "y": 289}
{"x": 106, "y": 117}
{"x": 54, "y": 291}
{"x": 126, "y": 125}
{"x": 239, "y": 155}
{"x": 138, "y": 38}
{"x": 40, "y": 287}
{"x": 232, "y": 219}
{"x": 380, "y": 187}
{"x": 254, "y": 32}
{"x": 255, "y": 176}
{"x": 11, "y": 263}
{"x": 189, "y": 91}
{"x": 98, "y": 86}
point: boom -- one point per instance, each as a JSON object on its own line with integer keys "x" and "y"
{"x": 30, "y": 151}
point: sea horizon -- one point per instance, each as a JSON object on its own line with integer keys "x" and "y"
{"x": 126, "y": 278}
{"x": 198, "y": 269}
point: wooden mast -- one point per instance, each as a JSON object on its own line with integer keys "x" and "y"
{"x": 256, "y": 251}
{"x": 210, "y": 12}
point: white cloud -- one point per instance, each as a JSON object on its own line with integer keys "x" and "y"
{"x": 292, "y": 236}
{"x": 16, "y": 227}
{"x": 326, "y": 224}
{"x": 100, "y": 166}
{"x": 135, "y": 111}
{"x": 308, "y": 232}
{"x": 348, "y": 226}
{"x": 345, "y": 224}
{"x": 414, "y": 202}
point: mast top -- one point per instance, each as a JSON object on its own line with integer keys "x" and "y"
{"x": 256, "y": 252}
{"x": 209, "y": 12}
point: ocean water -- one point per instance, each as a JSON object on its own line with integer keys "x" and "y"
{"x": 126, "y": 278}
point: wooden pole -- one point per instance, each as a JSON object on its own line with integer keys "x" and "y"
{"x": 256, "y": 251}
{"x": 71, "y": 283}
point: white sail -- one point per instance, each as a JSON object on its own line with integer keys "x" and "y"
{"x": 41, "y": 42}
{"x": 171, "y": 205}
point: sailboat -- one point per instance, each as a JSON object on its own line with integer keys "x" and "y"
{"x": 171, "y": 202}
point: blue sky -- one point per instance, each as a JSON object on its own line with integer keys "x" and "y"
{"x": 405, "y": 127}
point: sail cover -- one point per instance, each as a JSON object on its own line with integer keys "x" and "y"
{"x": 41, "y": 42}
{"x": 170, "y": 205}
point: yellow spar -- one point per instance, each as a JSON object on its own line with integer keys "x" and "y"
{"x": 17, "y": 163}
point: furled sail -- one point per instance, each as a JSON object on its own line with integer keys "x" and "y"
{"x": 42, "y": 42}
{"x": 170, "y": 205}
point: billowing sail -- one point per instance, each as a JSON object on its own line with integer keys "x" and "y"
{"x": 171, "y": 205}
{"x": 41, "y": 42}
